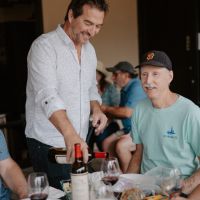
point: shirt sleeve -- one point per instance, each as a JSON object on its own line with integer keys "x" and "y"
{"x": 134, "y": 129}
{"x": 93, "y": 92}
{"x": 4, "y": 154}
{"x": 193, "y": 127}
{"x": 42, "y": 77}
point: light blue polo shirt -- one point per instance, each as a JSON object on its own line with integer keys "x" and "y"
{"x": 4, "y": 154}
{"x": 170, "y": 136}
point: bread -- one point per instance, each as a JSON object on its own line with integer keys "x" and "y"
{"x": 133, "y": 193}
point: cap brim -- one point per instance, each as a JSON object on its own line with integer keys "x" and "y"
{"x": 111, "y": 69}
{"x": 153, "y": 63}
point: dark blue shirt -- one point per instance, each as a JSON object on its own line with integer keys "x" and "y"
{"x": 131, "y": 94}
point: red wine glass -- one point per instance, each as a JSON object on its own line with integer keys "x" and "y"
{"x": 38, "y": 186}
{"x": 111, "y": 170}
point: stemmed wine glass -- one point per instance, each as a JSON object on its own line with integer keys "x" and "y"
{"x": 111, "y": 170}
{"x": 38, "y": 186}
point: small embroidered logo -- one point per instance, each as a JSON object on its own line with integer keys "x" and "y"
{"x": 150, "y": 56}
{"x": 170, "y": 133}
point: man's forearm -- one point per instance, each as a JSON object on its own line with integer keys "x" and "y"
{"x": 119, "y": 112}
{"x": 191, "y": 183}
{"x": 135, "y": 163}
{"x": 14, "y": 178}
{"x": 60, "y": 120}
{"x": 95, "y": 106}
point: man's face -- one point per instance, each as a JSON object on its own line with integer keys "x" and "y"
{"x": 119, "y": 78}
{"x": 86, "y": 25}
{"x": 155, "y": 81}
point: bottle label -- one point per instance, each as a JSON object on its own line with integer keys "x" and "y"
{"x": 61, "y": 159}
{"x": 80, "y": 186}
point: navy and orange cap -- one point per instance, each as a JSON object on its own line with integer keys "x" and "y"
{"x": 157, "y": 59}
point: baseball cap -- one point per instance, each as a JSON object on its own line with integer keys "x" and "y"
{"x": 122, "y": 66}
{"x": 156, "y": 58}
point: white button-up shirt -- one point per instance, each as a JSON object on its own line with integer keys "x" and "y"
{"x": 56, "y": 80}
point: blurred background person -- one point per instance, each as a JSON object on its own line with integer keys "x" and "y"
{"x": 118, "y": 142}
{"x": 110, "y": 95}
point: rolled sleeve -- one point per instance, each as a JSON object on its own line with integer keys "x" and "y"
{"x": 42, "y": 78}
{"x": 94, "y": 95}
{"x": 50, "y": 102}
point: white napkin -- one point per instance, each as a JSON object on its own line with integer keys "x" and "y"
{"x": 53, "y": 194}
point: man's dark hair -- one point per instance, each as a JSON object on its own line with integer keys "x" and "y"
{"x": 77, "y": 6}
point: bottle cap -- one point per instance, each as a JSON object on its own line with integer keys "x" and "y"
{"x": 78, "y": 152}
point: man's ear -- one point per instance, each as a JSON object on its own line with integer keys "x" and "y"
{"x": 171, "y": 74}
{"x": 70, "y": 15}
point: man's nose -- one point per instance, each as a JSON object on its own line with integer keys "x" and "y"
{"x": 92, "y": 31}
{"x": 149, "y": 79}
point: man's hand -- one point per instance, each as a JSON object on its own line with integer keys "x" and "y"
{"x": 60, "y": 120}
{"x": 99, "y": 121}
{"x": 70, "y": 140}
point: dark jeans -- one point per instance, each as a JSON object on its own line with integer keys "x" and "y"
{"x": 39, "y": 158}
{"x": 109, "y": 130}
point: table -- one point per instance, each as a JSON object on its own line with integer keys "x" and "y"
{"x": 53, "y": 194}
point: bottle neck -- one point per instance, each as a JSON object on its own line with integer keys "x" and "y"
{"x": 78, "y": 152}
{"x": 99, "y": 155}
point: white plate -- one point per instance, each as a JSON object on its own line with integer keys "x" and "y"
{"x": 53, "y": 194}
{"x": 140, "y": 179}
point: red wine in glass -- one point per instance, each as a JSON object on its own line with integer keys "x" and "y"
{"x": 39, "y": 196}
{"x": 110, "y": 179}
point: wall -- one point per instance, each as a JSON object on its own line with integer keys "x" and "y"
{"x": 118, "y": 39}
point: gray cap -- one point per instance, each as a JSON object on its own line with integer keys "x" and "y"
{"x": 156, "y": 58}
{"x": 122, "y": 66}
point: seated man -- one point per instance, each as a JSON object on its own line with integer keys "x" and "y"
{"x": 120, "y": 142}
{"x": 165, "y": 125}
{"x": 10, "y": 174}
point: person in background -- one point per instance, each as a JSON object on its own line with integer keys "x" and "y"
{"x": 165, "y": 125}
{"x": 119, "y": 142}
{"x": 10, "y": 174}
{"x": 109, "y": 93}
{"x": 110, "y": 96}
{"x": 61, "y": 88}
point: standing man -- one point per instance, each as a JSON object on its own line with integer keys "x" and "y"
{"x": 119, "y": 142}
{"x": 166, "y": 125}
{"x": 61, "y": 87}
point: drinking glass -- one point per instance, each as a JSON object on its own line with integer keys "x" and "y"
{"x": 38, "y": 186}
{"x": 100, "y": 191}
{"x": 170, "y": 180}
{"x": 111, "y": 170}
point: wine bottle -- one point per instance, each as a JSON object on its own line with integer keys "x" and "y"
{"x": 79, "y": 176}
{"x": 58, "y": 155}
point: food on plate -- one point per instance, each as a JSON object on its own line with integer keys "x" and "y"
{"x": 156, "y": 197}
{"x": 133, "y": 193}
